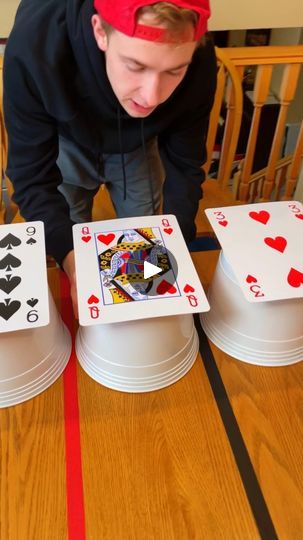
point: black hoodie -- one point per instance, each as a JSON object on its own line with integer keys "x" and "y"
{"x": 55, "y": 82}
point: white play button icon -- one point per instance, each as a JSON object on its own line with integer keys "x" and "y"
{"x": 150, "y": 270}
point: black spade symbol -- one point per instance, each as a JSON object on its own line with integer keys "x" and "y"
{"x": 8, "y": 308}
{"x": 32, "y": 302}
{"x": 9, "y": 241}
{"x": 31, "y": 241}
{"x": 9, "y": 262}
{"x": 8, "y": 284}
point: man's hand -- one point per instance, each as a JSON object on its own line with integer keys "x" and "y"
{"x": 70, "y": 270}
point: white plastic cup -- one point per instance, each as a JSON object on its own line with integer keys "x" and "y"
{"x": 267, "y": 333}
{"x": 32, "y": 359}
{"x": 138, "y": 356}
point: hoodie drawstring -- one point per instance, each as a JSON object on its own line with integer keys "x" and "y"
{"x": 148, "y": 167}
{"x": 145, "y": 157}
{"x": 121, "y": 152}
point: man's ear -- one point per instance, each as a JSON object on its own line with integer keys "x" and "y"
{"x": 99, "y": 32}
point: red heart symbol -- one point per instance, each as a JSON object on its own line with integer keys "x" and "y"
{"x": 223, "y": 223}
{"x": 93, "y": 299}
{"x": 261, "y": 216}
{"x": 168, "y": 231}
{"x": 106, "y": 238}
{"x": 251, "y": 279}
{"x": 299, "y": 216}
{"x": 295, "y": 278}
{"x": 279, "y": 243}
{"x": 188, "y": 288}
{"x": 86, "y": 238}
{"x": 165, "y": 287}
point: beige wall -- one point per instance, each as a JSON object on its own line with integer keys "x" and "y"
{"x": 226, "y": 14}
{"x": 7, "y": 13}
{"x": 238, "y": 14}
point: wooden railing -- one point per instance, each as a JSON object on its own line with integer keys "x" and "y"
{"x": 279, "y": 178}
{"x": 265, "y": 58}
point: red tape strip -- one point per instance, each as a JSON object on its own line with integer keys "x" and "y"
{"x": 74, "y": 479}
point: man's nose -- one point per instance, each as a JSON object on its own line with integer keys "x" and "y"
{"x": 151, "y": 91}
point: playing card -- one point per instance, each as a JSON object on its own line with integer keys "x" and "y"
{"x": 263, "y": 243}
{"x": 23, "y": 277}
{"x": 111, "y": 271}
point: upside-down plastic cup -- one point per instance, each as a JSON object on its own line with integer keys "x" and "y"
{"x": 32, "y": 359}
{"x": 138, "y": 356}
{"x": 266, "y": 333}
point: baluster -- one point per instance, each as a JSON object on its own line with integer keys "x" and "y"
{"x": 261, "y": 90}
{"x": 234, "y": 104}
{"x": 214, "y": 117}
{"x": 286, "y": 95}
{"x": 294, "y": 169}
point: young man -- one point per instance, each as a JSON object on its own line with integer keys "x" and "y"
{"x": 107, "y": 91}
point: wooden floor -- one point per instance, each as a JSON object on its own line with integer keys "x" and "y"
{"x": 218, "y": 455}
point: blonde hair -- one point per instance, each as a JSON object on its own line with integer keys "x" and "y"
{"x": 174, "y": 18}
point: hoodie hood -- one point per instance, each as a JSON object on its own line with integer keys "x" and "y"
{"x": 89, "y": 59}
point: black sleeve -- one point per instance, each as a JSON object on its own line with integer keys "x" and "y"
{"x": 32, "y": 154}
{"x": 182, "y": 155}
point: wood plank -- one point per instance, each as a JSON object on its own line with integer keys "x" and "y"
{"x": 159, "y": 465}
{"x": 32, "y": 468}
{"x": 267, "y": 403}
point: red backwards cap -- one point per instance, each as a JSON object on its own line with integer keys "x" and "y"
{"x": 121, "y": 15}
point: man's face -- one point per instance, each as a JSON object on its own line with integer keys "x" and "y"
{"x": 143, "y": 74}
